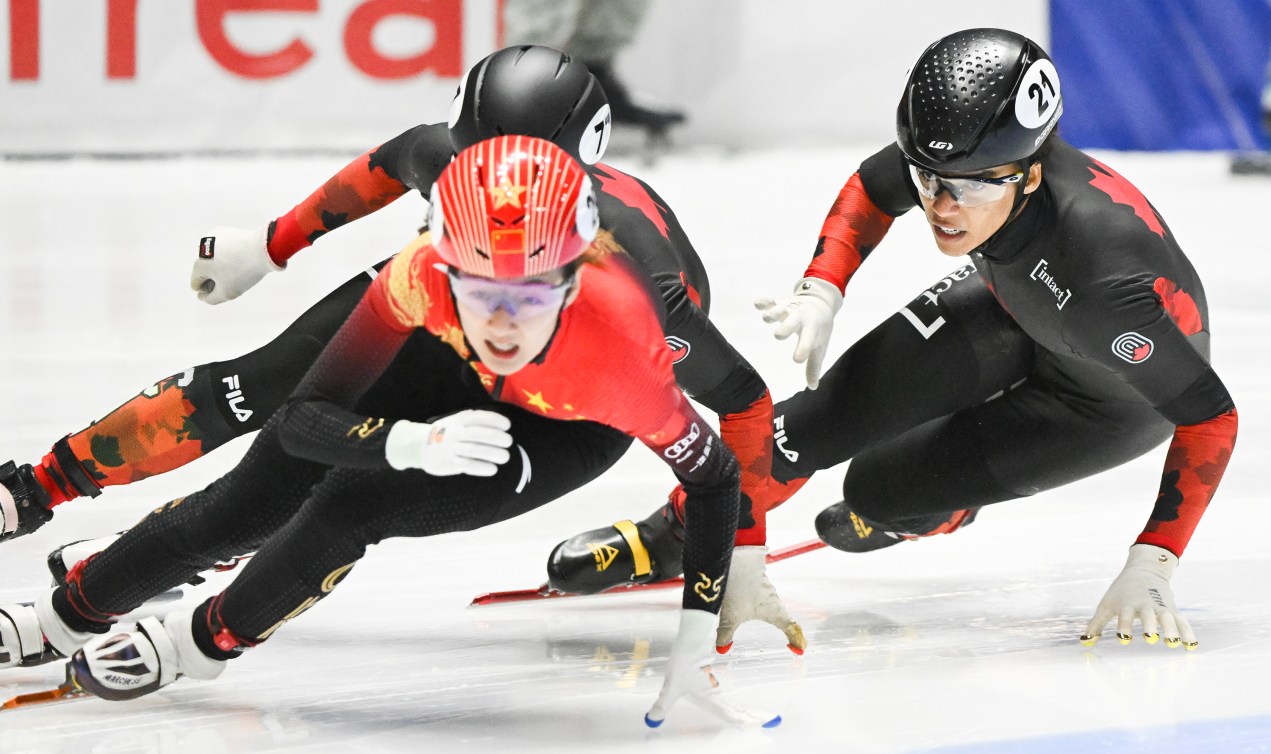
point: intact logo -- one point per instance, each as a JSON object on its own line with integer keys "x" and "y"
{"x": 235, "y": 398}
{"x": 940, "y": 145}
{"x": 679, "y": 348}
{"x": 1061, "y": 294}
{"x": 1132, "y": 347}
{"x": 207, "y": 247}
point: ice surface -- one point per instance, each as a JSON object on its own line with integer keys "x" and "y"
{"x": 958, "y": 643}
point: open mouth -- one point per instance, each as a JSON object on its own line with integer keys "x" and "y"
{"x": 948, "y": 233}
{"x": 502, "y": 352}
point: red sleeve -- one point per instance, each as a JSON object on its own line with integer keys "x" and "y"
{"x": 359, "y": 189}
{"x": 853, "y": 228}
{"x": 748, "y": 433}
{"x": 1197, "y": 458}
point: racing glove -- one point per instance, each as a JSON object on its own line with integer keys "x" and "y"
{"x": 230, "y": 261}
{"x": 472, "y": 441}
{"x": 809, "y": 313}
{"x": 1142, "y": 591}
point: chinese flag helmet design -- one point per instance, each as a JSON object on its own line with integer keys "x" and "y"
{"x": 512, "y": 207}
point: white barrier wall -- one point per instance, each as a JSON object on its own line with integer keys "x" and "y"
{"x": 188, "y": 75}
{"x": 794, "y": 72}
{"x": 164, "y": 76}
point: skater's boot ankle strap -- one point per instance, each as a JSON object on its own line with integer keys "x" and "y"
{"x": 24, "y": 505}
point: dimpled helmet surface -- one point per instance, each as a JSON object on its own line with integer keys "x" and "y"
{"x": 977, "y": 99}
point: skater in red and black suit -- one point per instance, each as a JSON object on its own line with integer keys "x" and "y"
{"x": 1075, "y": 339}
{"x": 499, "y": 362}
{"x": 527, "y": 90}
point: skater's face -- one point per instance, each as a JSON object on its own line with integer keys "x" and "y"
{"x": 509, "y": 322}
{"x": 965, "y": 210}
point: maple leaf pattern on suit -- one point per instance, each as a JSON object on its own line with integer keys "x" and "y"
{"x": 1122, "y": 191}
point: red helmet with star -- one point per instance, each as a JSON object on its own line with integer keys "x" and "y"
{"x": 512, "y": 207}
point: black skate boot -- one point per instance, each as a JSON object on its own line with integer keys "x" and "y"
{"x": 626, "y": 111}
{"x": 24, "y": 505}
{"x": 153, "y": 654}
{"x": 64, "y": 558}
{"x": 839, "y": 527}
{"x": 625, "y": 553}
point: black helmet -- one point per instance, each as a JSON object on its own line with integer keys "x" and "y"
{"x": 977, "y": 99}
{"x": 531, "y": 90}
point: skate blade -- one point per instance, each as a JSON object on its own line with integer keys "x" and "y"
{"x": 64, "y": 693}
{"x": 543, "y": 592}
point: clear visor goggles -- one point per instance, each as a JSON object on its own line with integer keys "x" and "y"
{"x": 526, "y": 298}
{"x": 967, "y": 192}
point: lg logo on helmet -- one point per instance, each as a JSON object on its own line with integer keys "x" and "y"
{"x": 940, "y": 145}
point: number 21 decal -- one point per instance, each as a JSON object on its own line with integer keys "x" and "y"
{"x": 1041, "y": 85}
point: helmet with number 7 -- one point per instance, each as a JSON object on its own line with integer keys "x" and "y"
{"x": 977, "y": 99}
{"x": 533, "y": 91}
{"x": 512, "y": 207}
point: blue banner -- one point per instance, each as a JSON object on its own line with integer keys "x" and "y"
{"x": 1161, "y": 75}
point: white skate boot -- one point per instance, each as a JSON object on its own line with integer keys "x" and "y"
{"x": 153, "y": 654}
{"x": 33, "y": 634}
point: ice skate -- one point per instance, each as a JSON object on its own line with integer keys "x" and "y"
{"x": 839, "y": 527}
{"x": 130, "y": 664}
{"x": 32, "y": 634}
{"x": 24, "y": 505}
{"x": 624, "y": 553}
{"x": 61, "y": 560}
{"x": 655, "y": 123}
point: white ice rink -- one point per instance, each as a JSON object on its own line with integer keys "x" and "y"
{"x": 955, "y": 644}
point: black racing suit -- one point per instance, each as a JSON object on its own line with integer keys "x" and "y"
{"x": 1075, "y": 339}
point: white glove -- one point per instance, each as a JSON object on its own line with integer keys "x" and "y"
{"x": 751, "y": 596}
{"x": 1142, "y": 590}
{"x": 472, "y": 441}
{"x": 689, "y": 675}
{"x": 810, "y": 313}
{"x": 230, "y": 261}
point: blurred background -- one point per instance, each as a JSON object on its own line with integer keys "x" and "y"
{"x": 149, "y": 77}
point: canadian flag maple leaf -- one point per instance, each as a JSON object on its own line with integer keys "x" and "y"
{"x": 1122, "y": 191}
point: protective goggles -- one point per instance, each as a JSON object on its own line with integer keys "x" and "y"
{"x": 967, "y": 192}
{"x": 518, "y": 299}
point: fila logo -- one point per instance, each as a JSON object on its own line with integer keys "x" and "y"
{"x": 235, "y": 398}
{"x": 1040, "y": 273}
{"x": 1132, "y": 347}
{"x": 604, "y": 555}
{"x": 780, "y": 438}
{"x": 940, "y": 145}
{"x": 679, "y": 348}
